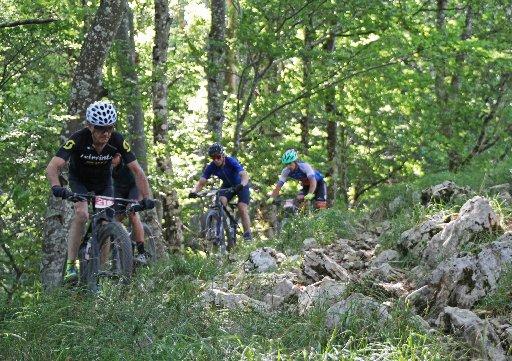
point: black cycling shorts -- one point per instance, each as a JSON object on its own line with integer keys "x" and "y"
{"x": 320, "y": 191}
{"x": 244, "y": 196}
{"x": 126, "y": 193}
{"x": 84, "y": 188}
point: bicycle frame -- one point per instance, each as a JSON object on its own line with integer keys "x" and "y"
{"x": 90, "y": 247}
{"x": 220, "y": 220}
{"x": 289, "y": 208}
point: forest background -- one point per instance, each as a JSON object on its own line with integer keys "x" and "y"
{"x": 369, "y": 92}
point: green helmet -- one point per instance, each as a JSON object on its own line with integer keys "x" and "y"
{"x": 289, "y": 156}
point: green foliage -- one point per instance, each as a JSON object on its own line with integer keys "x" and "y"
{"x": 498, "y": 301}
{"x": 158, "y": 316}
{"x": 324, "y": 226}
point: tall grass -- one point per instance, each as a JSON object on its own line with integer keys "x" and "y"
{"x": 159, "y": 316}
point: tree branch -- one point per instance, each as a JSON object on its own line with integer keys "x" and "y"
{"x": 27, "y": 22}
{"x": 319, "y": 88}
{"x": 378, "y": 181}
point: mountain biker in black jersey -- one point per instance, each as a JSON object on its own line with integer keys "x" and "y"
{"x": 313, "y": 184}
{"x": 232, "y": 174}
{"x": 125, "y": 187}
{"x": 90, "y": 152}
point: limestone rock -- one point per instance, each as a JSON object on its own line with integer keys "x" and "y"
{"x": 475, "y": 216}
{"x": 443, "y": 193}
{"x": 325, "y": 292}
{"x": 264, "y": 260}
{"x": 317, "y": 264}
{"x": 463, "y": 281}
{"x": 477, "y": 332}
{"x": 358, "y": 304}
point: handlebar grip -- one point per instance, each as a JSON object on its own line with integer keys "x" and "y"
{"x": 135, "y": 208}
{"x": 75, "y": 198}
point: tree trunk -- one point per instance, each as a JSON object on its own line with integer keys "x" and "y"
{"x": 216, "y": 68}
{"x": 85, "y": 88}
{"x": 441, "y": 91}
{"x": 86, "y": 83}
{"x": 173, "y": 227}
{"x": 332, "y": 125}
{"x": 305, "y": 120}
{"x": 128, "y": 69}
{"x": 231, "y": 77}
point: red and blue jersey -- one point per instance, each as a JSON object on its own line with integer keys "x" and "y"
{"x": 303, "y": 173}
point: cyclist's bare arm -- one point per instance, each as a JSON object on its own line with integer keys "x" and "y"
{"x": 276, "y": 190}
{"x": 140, "y": 178}
{"x": 244, "y": 178}
{"x": 53, "y": 169}
{"x": 200, "y": 184}
{"x": 312, "y": 185}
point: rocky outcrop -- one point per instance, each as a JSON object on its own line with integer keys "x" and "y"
{"x": 317, "y": 264}
{"x": 355, "y": 304}
{"x": 475, "y": 216}
{"x": 264, "y": 260}
{"x": 463, "y": 281}
{"x": 443, "y": 193}
{"x": 322, "y": 293}
{"x": 415, "y": 239}
{"x": 477, "y": 332}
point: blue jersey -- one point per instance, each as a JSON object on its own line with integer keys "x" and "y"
{"x": 229, "y": 172}
{"x": 303, "y": 173}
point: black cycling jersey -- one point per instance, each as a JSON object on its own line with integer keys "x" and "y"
{"x": 86, "y": 165}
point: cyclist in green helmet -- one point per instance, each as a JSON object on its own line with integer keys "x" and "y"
{"x": 313, "y": 184}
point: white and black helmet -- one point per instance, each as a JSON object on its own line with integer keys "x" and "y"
{"x": 101, "y": 113}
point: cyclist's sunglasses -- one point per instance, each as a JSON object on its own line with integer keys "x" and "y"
{"x": 104, "y": 129}
{"x": 216, "y": 156}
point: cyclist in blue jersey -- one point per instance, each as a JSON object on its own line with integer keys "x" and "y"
{"x": 313, "y": 184}
{"x": 232, "y": 174}
{"x": 90, "y": 152}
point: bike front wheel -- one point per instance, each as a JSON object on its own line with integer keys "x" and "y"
{"x": 149, "y": 243}
{"x": 214, "y": 232}
{"x": 115, "y": 239}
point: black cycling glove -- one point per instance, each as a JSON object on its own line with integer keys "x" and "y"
{"x": 238, "y": 188}
{"x": 193, "y": 195}
{"x": 61, "y": 192}
{"x": 147, "y": 203}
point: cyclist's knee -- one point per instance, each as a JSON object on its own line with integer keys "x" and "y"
{"x": 320, "y": 204}
{"x": 133, "y": 217}
{"x": 81, "y": 214}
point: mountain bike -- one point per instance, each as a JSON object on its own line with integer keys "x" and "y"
{"x": 219, "y": 223}
{"x": 106, "y": 249}
{"x": 288, "y": 209}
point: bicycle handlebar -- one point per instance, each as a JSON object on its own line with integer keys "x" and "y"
{"x": 134, "y": 204}
{"x": 213, "y": 191}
